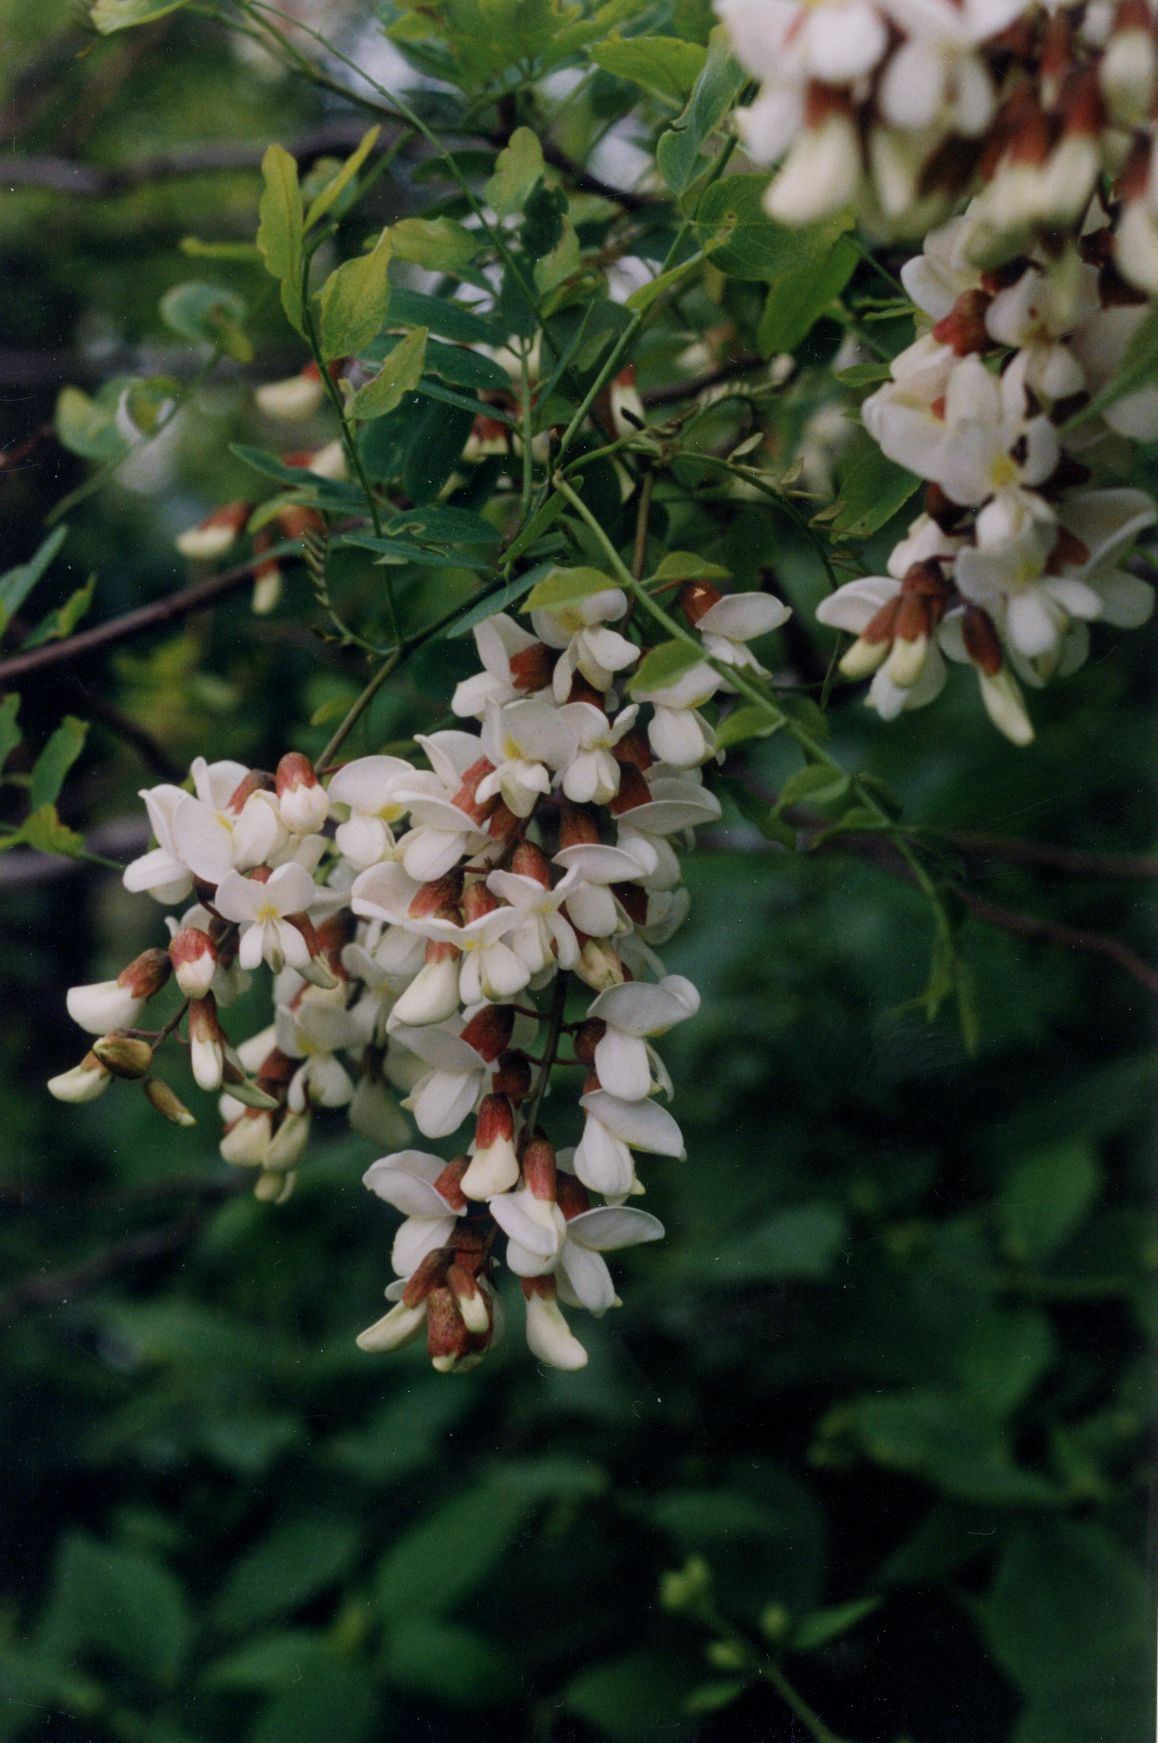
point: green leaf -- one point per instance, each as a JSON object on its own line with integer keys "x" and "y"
{"x": 44, "y": 831}
{"x": 814, "y": 784}
{"x": 326, "y": 1696}
{"x": 497, "y": 600}
{"x": 1138, "y": 369}
{"x": 824, "y": 1625}
{"x": 298, "y": 1559}
{"x": 759, "y": 813}
{"x": 10, "y": 734}
{"x": 322, "y": 202}
{"x": 1009, "y": 1351}
{"x": 110, "y": 16}
{"x": 441, "y": 315}
{"x": 663, "y": 665}
{"x": 55, "y": 760}
{"x": 281, "y": 230}
{"x": 941, "y": 1436}
{"x": 449, "y": 1663}
{"x": 799, "y": 298}
{"x": 544, "y": 214}
{"x": 119, "y": 1602}
{"x": 61, "y": 622}
{"x": 353, "y": 302}
{"x": 270, "y": 1663}
{"x": 1044, "y": 1197}
{"x": 436, "y": 244}
{"x": 712, "y": 1697}
{"x": 745, "y": 723}
{"x": 16, "y": 584}
{"x": 197, "y": 249}
{"x": 518, "y": 167}
{"x": 450, "y": 1551}
{"x": 563, "y": 587}
{"x": 873, "y": 489}
{"x": 802, "y": 1242}
{"x": 664, "y": 64}
{"x": 680, "y": 150}
{"x": 88, "y": 426}
{"x": 399, "y": 375}
{"x": 561, "y": 263}
{"x": 687, "y": 566}
{"x": 635, "y": 1699}
{"x": 210, "y": 315}
{"x": 755, "y": 247}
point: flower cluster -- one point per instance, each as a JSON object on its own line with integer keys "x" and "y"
{"x": 441, "y": 938}
{"x": 1028, "y": 304}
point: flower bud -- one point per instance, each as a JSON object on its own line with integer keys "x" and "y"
{"x": 213, "y": 536}
{"x": 1005, "y": 706}
{"x": 83, "y": 1082}
{"x": 531, "y": 667}
{"x": 448, "y": 1340}
{"x": 193, "y": 955}
{"x": 167, "y": 1102}
{"x": 114, "y": 1004}
{"x": 443, "y": 892}
{"x": 302, "y": 800}
{"x": 587, "y": 1039}
{"x": 206, "y": 1044}
{"x": 539, "y": 1169}
{"x": 266, "y": 578}
{"x": 494, "y": 1165}
{"x": 698, "y": 597}
{"x": 472, "y": 1301}
{"x": 245, "y": 1141}
{"x": 273, "y": 1188}
{"x": 394, "y": 1329}
{"x": 478, "y": 901}
{"x": 549, "y": 1337}
{"x": 432, "y": 995}
{"x": 599, "y": 966}
{"x": 293, "y": 400}
{"x": 466, "y": 799}
{"x": 513, "y": 1077}
{"x": 123, "y": 1055}
{"x": 529, "y": 861}
{"x": 289, "y": 1141}
{"x": 489, "y": 1030}
{"x": 578, "y": 825}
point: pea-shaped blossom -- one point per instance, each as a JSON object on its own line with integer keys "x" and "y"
{"x": 262, "y": 906}
{"x": 425, "y": 1189}
{"x": 624, "y": 1063}
{"x": 589, "y": 646}
{"x": 368, "y": 787}
{"x": 614, "y": 1128}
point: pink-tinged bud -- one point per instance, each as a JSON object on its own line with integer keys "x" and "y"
{"x": 1057, "y": 55}
{"x": 432, "y": 995}
{"x": 1083, "y": 111}
{"x": 578, "y": 825}
{"x": 634, "y": 749}
{"x": 982, "y": 642}
{"x": 633, "y": 791}
{"x": 513, "y": 1077}
{"x": 472, "y": 1301}
{"x": 207, "y": 1043}
{"x": 572, "y": 1196}
{"x": 1005, "y": 706}
{"x": 431, "y": 1274}
{"x": 466, "y": 799}
{"x": 256, "y": 781}
{"x": 124, "y": 1056}
{"x": 1129, "y": 67}
{"x": 588, "y": 1038}
{"x": 444, "y": 892}
{"x": 245, "y": 1141}
{"x": 447, "y": 1338}
{"x": 698, "y": 597}
{"x": 503, "y": 825}
{"x": 400, "y": 1326}
{"x": 193, "y": 955}
{"x": 84, "y": 1082}
{"x": 167, "y": 1102}
{"x": 599, "y": 966}
{"x": 302, "y": 800}
{"x": 494, "y": 1166}
{"x": 294, "y": 400}
{"x": 478, "y": 901}
{"x": 529, "y": 861}
{"x": 328, "y": 461}
{"x": 266, "y": 577}
{"x": 549, "y": 1337}
{"x": 146, "y": 974}
{"x": 539, "y": 1169}
{"x": 213, "y": 536}
{"x": 449, "y": 1183}
{"x": 963, "y": 328}
{"x": 489, "y": 1030}
{"x": 102, "y": 1006}
{"x": 531, "y": 668}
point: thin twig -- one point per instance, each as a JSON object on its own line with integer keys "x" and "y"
{"x": 1052, "y": 932}
{"x": 676, "y": 391}
{"x": 58, "y": 1288}
{"x": 1076, "y": 860}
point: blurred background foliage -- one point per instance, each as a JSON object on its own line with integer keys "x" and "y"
{"x": 868, "y": 1439}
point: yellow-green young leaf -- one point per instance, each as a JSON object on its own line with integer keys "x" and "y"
{"x": 564, "y": 587}
{"x": 113, "y": 15}
{"x": 437, "y": 244}
{"x": 281, "y": 230}
{"x": 518, "y": 168}
{"x": 562, "y": 263}
{"x": 353, "y": 302}
{"x": 664, "y": 665}
{"x": 322, "y": 202}
{"x": 745, "y": 723}
{"x": 87, "y": 426}
{"x": 196, "y": 249}
{"x": 9, "y": 726}
{"x": 44, "y": 831}
{"x": 664, "y": 64}
{"x": 686, "y": 566}
{"x": 65, "y": 618}
{"x": 210, "y": 315}
{"x": 814, "y": 784}
{"x": 16, "y": 584}
{"x": 398, "y": 376}
{"x": 55, "y": 760}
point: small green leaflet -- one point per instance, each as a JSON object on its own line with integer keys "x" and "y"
{"x": 55, "y": 760}
{"x": 281, "y": 231}
{"x": 322, "y": 202}
{"x": 110, "y": 16}
{"x": 680, "y": 150}
{"x": 209, "y": 315}
{"x": 9, "y": 726}
{"x": 44, "y": 831}
{"x": 663, "y": 665}
{"x": 16, "y": 584}
{"x": 746, "y": 723}
{"x": 353, "y": 302}
{"x": 814, "y": 784}
{"x": 873, "y": 490}
{"x": 686, "y": 566}
{"x": 664, "y": 64}
{"x": 563, "y": 587}
{"x": 519, "y": 167}
{"x": 65, "y": 618}
{"x": 437, "y": 244}
{"x": 492, "y": 601}
{"x": 798, "y": 300}
{"x": 398, "y": 376}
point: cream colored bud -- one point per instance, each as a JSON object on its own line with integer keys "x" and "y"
{"x": 394, "y": 1329}
{"x": 167, "y": 1102}
{"x": 84, "y": 1082}
{"x": 863, "y": 658}
{"x": 123, "y": 1055}
{"x": 274, "y": 1188}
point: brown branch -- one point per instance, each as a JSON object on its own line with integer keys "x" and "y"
{"x": 586, "y": 183}
{"x": 1051, "y": 932}
{"x": 108, "y": 715}
{"x": 1076, "y": 860}
{"x": 130, "y": 624}
{"x": 676, "y": 391}
{"x": 58, "y": 1288}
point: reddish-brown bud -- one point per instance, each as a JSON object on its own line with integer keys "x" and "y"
{"x": 512, "y": 1077}
{"x": 466, "y": 798}
{"x": 963, "y": 328}
{"x": 529, "y": 861}
{"x": 447, "y": 1339}
{"x": 697, "y": 597}
{"x": 578, "y": 825}
{"x": 193, "y": 955}
{"x": 531, "y": 668}
{"x": 443, "y": 892}
{"x": 587, "y": 1039}
{"x": 633, "y": 791}
{"x": 146, "y": 974}
{"x": 571, "y": 1196}
{"x": 489, "y": 1030}
{"x": 539, "y": 1169}
{"x": 503, "y": 823}
{"x": 633, "y": 899}
{"x": 429, "y": 1275}
{"x": 582, "y": 691}
{"x": 634, "y": 749}
{"x": 449, "y": 1183}
{"x": 982, "y": 642}
{"x": 296, "y": 521}
{"x": 496, "y": 1119}
{"x": 478, "y": 901}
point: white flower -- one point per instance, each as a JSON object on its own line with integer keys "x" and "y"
{"x": 84, "y": 1082}
{"x": 541, "y": 935}
{"x": 833, "y": 41}
{"x": 441, "y": 833}
{"x": 303, "y": 803}
{"x": 548, "y": 1335}
{"x": 590, "y": 902}
{"x": 446, "y": 1093}
{"x": 162, "y": 872}
{"x": 542, "y": 1242}
{"x": 261, "y": 909}
{"x": 408, "y": 1180}
{"x": 226, "y": 826}
{"x": 735, "y": 620}
{"x": 592, "y": 773}
{"x": 589, "y": 646}
{"x": 293, "y": 400}
{"x": 624, "y": 1063}
{"x": 500, "y": 642}
{"x": 369, "y": 787}
{"x": 615, "y": 1127}
{"x": 822, "y": 169}
{"x": 677, "y": 732}
{"x": 523, "y": 741}
{"x": 314, "y": 1029}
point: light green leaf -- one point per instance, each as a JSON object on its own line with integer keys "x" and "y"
{"x": 44, "y": 831}
{"x": 680, "y": 150}
{"x": 1009, "y": 1351}
{"x": 88, "y": 426}
{"x": 687, "y": 566}
{"x": 662, "y": 665}
{"x": 197, "y": 249}
{"x": 563, "y": 587}
{"x": 353, "y": 302}
{"x": 828, "y": 1624}
{"x": 664, "y": 64}
{"x": 55, "y": 760}
{"x": 281, "y": 230}
{"x": 450, "y": 1551}
{"x": 748, "y": 244}
{"x": 711, "y": 1697}
{"x": 322, "y": 202}
{"x": 16, "y": 584}
{"x": 64, "y": 619}
{"x": 743, "y": 724}
{"x": 814, "y": 784}
{"x": 1044, "y": 1198}
{"x": 560, "y": 263}
{"x": 210, "y": 315}
{"x": 519, "y": 166}
{"x": 436, "y": 244}
{"x": 398, "y": 376}
{"x": 799, "y": 298}
{"x": 873, "y": 489}
{"x": 110, "y": 16}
